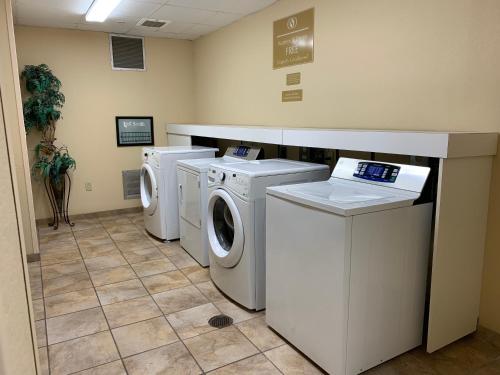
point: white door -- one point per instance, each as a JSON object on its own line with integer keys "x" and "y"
{"x": 189, "y": 196}
{"x": 149, "y": 189}
{"x": 225, "y": 229}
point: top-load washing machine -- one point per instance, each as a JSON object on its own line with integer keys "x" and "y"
{"x": 347, "y": 264}
{"x": 159, "y": 187}
{"x": 193, "y": 198}
{"x": 236, "y": 222}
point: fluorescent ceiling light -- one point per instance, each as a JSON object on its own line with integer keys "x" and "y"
{"x": 100, "y": 10}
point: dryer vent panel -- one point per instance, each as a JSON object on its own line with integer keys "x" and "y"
{"x": 131, "y": 184}
{"x": 127, "y": 53}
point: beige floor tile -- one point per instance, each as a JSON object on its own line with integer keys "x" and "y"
{"x": 114, "y": 228}
{"x": 128, "y": 236}
{"x": 258, "y": 364}
{"x": 55, "y": 237}
{"x": 95, "y": 242}
{"x": 70, "y": 302}
{"x": 194, "y": 321}
{"x": 196, "y": 274}
{"x": 112, "y": 368}
{"x": 41, "y": 336}
{"x": 65, "y": 284}
{"x": 84, "y": 224}
{"x": 179, "y": 299}
{"x": 106, "y": 261}
{"x": 152, "y": 267}
{"x": 91, "y": 234}
{"x": 93, "y": 251}
{"x": 44, "y": 360}
{"x": 165, "y": 281}
{"x": 143, "y": 336}
{"x": 173, "y": 359}
{"x": 234, "y": 311}
{"x": 112, "y": 275}
{"x": 131, "y": 311}
{"x": 219, "y": 348}
{"x": 288, "y": 361}
{"x": 78, "y": 324}
{"x": 121, "y": 291}
{"x": 210, "y": 291}
{"x": 257, "y": 331}
{"x": 62, "y": 269}
{"x": 60, "y": 257}
{"x": 39, "y": 309}
{"x": 173, "y": 246}
{"x": 183, "y": 260}
{"x": 36, "y": 287}
{"x": 143, "y": 255}
{"x": 134, "y": 245}
{"x": 59, "y": 246}
{"x": 44, "y": 230}
{"x": 82, "y": 353}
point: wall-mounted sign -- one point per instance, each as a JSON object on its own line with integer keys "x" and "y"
{"x": 291, "y": 96}
{"x": 293, "y": 39}
{"x": 134, "y": 131}
{"x": 293, "y": 79}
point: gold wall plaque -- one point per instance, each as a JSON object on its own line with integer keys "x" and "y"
{"x": 291, "y": 96}
{"x": 293, "y": 39}
{"x": 293, "y": 79}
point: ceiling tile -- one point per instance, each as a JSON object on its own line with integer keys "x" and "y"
{"x": 221, "y": 19}
{"x": 69, "y": 6}
{"x": 231, "y": 6}
{"x": 180, "y": 14}
{"x": 190, "y": 18}
{"x": 133, "y": 10}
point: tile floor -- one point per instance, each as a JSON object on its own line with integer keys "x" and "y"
{"x": 110, "y": 300}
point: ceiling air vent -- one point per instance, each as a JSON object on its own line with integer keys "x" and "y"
{"x": 151, "y": 23}
{"x": 127, "y": 52}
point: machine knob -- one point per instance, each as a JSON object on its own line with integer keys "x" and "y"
{"x": 222, "y": 176}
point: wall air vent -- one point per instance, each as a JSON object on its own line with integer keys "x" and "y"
{"x": 127, "y": 52}
{"x": 131, "y": 184}
{"x": 152, "y": 23}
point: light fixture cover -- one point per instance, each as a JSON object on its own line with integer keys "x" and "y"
{"x": 100, "y": 10}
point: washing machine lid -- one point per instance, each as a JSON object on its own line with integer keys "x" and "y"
{"x": 273, "y": 167}
{"x": 202, "y": 165}
{"x": 344, "y": 197}
{"x": 180, "y": 149}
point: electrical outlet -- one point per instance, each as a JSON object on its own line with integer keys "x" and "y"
{"x": 88, "y": 186}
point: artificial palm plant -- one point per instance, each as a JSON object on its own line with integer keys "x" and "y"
{"x": 42, "y": 109}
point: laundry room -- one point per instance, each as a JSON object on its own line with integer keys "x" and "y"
{"x": 249, "y": 187}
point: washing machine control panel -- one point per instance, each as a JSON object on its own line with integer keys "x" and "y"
{"x": 374, "y": 171}
{"x": 236, "y": 182}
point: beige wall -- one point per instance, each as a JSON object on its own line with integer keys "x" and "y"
{"x": 17, "y": 343}
{"x": 95, "y": 94}
{"x": 391, "y": 64}
{"x": 15, "y": 126}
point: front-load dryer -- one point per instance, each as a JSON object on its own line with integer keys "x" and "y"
{"x": 236, "y": 222}
{"x": 158, "y": 187}
{"x": 193, "y": 198}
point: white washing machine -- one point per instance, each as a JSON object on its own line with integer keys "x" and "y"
{"x": 347, "y": 264}
{"x": 159, "y": 187}
{"x": 193, "y": 198}
{"x": 236, "y": 222}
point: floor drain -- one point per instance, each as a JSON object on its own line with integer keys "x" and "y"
{"x": 220, "y": 321}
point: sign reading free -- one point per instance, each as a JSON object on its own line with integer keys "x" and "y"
{"x": 293, "y": 39}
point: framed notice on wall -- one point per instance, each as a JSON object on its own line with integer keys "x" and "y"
{"x": 134, "y": 131}
{"x": 293, "y": 39}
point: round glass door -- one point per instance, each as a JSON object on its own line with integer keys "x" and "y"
{"x": 225, "y": 229}
{"x": 149, "y": 190}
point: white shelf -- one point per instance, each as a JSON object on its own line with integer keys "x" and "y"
{"x": 416, "y": 143}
